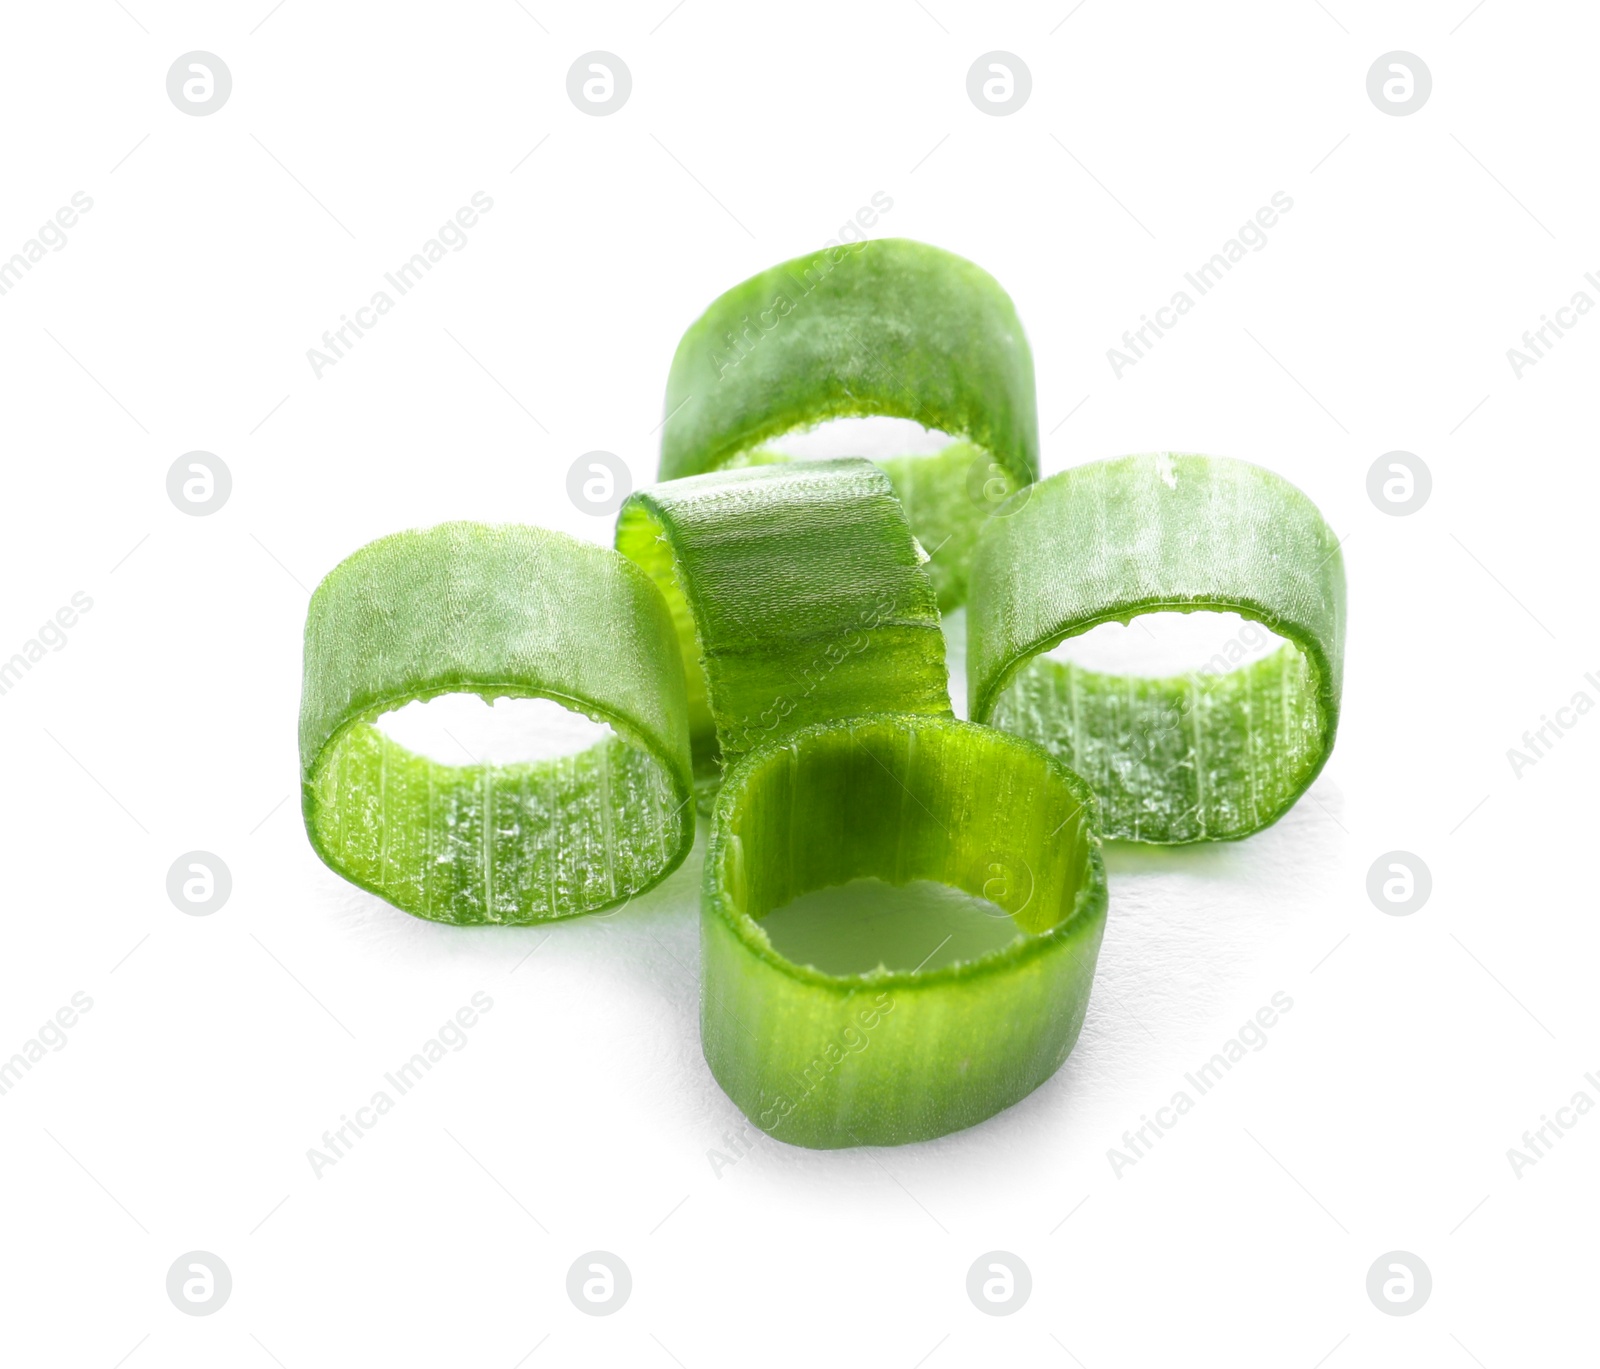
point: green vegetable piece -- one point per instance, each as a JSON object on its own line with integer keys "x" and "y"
{"x": 799, "y": 596}
{"x": 498, "y": 612}
{"x": 895, "y": 1055}
{"x": 885, "y": 327}
{"x": 1205, "y": 756}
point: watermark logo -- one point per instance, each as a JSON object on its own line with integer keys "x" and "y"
{"x": 1399, "y": 483}
{"x": 199, "y": 83}
{"x": 1399, "y": 883}
{"x": 1539, "y": 1141}
{"x": 52, "y": 633}
{"x": 198, "y": 883}
{"x": 1538, "y": 742}
{"x": 52, "y": 1034}
{"x": 51, "y": 235}
{"x": 1399, "y": 83}
{"x": 999, "y": 1283}
{"x": 739, "y": 1144}
{"x": 736, "y": 344}
{"x": 999, "y": 83}
{"x": 598, "y": 482}
{"x": 1250, "y": 237}
{"x": 450, "y": 1037}
{"x": 1399, "y": 1283}
{"x": 1251, "y": 1038}
{"x": 1537, "y": 342}
{"x": 1006, "y": 882}
{"x": 199, "y": 1283}
{"x": 199, "y": 483}
{"x": 746, "y": 735}
{"x": 337, "y": 343}
{"x": 599, "y": 1283}
{"x": 990, "y": 487}
{"x": 599, "y": 83}
{"x": 852, "y": 1040}
{"x": 803, "y": 277}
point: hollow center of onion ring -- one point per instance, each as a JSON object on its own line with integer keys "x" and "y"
{"x": 874, "y": 437}
{"x": 463, "y": 729}
{"x": 857, "y": 927}
{"x": 1162, "y": 644}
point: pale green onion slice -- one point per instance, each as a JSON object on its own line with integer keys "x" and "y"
{"x": 497, "y": 612}
{"x": 884, "y": 327}
{"x": 1204, "y": 756}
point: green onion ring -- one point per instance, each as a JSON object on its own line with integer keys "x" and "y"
{"x": 894, "y": 1056}
{"x": 1204, "y": 756}
{"x": 497, "y": 612}
{"x": 884, "y": 327}
{"x": 800, "y": 596}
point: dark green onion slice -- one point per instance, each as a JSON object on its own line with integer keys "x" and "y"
{"x": 897, "y": 1054}
{"x": 1203, "y": 756}
{"x": 498, "y": 612}
{"x": 885, "y": 327}
{"x": 799, "y": 596}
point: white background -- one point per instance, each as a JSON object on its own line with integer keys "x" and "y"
{"x": 178, "y": 316}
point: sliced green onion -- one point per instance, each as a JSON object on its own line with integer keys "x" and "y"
{"x": 885, "y": 327}
{"x": 897, "y": 1055}
{"x": 1195, "y": 757}
{"x": 947, "y": 498}
{"x": 498, "y": 612}
{"x": 799, "y": 596}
